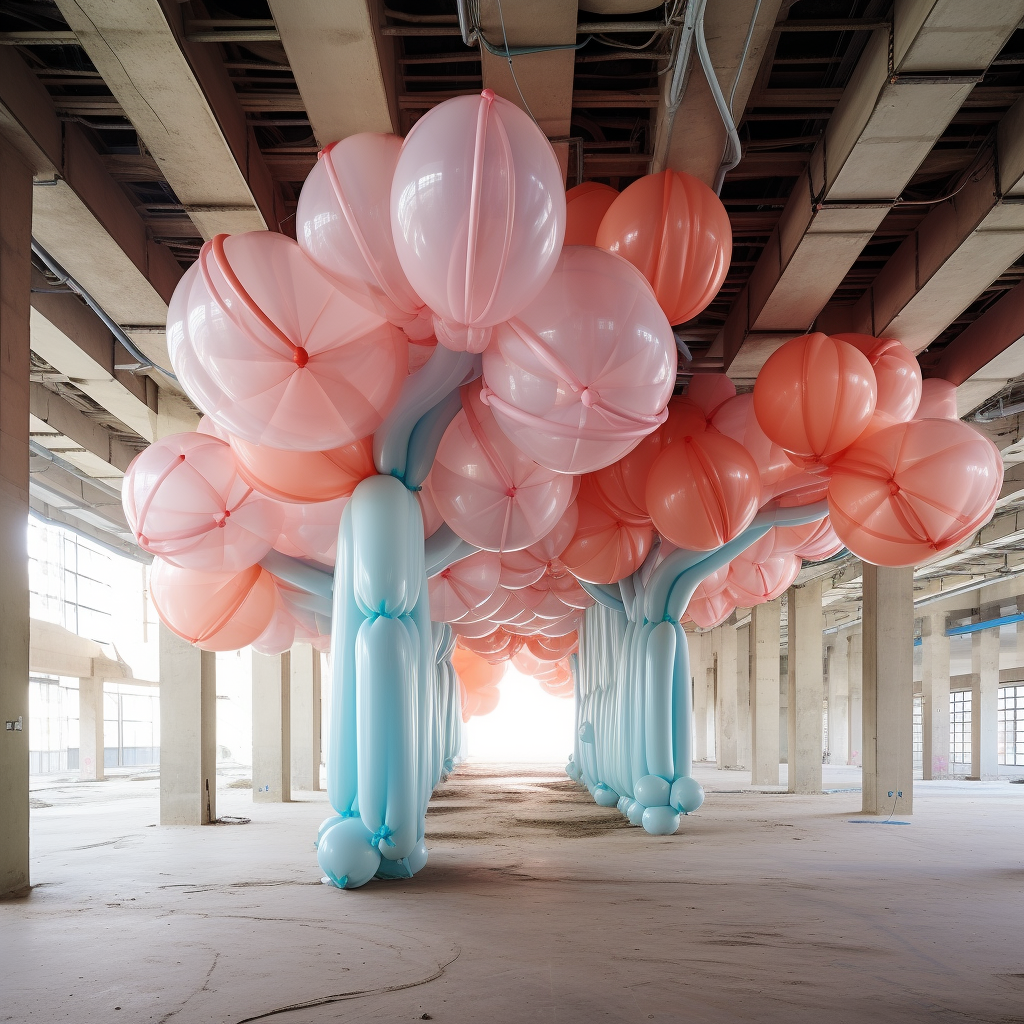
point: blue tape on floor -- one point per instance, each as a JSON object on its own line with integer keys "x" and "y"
{"x": 868, "y": 821}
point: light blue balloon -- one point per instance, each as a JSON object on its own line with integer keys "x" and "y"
{"x": 660, "y": 821}
{"x": 346, "y": 856}
{"x": 417, "y": 860}
{"x": 687, "y": 794}
{"x": 605, "y": 797}
{"x": 326, "y": 824}
{"x": 652, "y": 790}
{"x": 635, "y": 812}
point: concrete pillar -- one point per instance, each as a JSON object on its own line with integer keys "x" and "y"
{"x": 984, "y": 697}
{"x": 854, "y": 672}
{"x": 188, "y": 732}
{"x": 764, "y": 693}
{"x": 806, "y": 688}
{"x": 271, "y": 728}
{"x": 710, "y": 686}
{"x": 934, "y": 697}
{"x": 728, "y": 734}
{"x": 698, "y": 670}
{"x": 888, "y": 691}
{"x": 743, "y": 694}
{"x": 15, "y": 282}
{"x": 838, "y": 702}
{"x": 305, "y": 717}
{"x": 90, "y": 729}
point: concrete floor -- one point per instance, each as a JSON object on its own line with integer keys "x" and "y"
{"x": 536, "y": 905}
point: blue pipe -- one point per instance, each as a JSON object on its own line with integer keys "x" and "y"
{"x": 975, "y": 627}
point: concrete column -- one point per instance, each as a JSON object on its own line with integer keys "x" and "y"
{"x": 764, "y": 693}
{"x": 188, "y": 732}
{"x": 838, "y": 702}
{"x": 15, "y": 281}
{"x": 712, "y": 716}
{"x": 305, "y": 717}
{"x": 888, "y": 690}
{"x": 271, "y": 728}
{"x": 854, "y": 672}
{"x": 743, "y": 694}
{"x": 984, "y": 697}
{"x": 728, "y": 731}
{"x": 935, "y": 697}
{"x": 698, "y": 671}
{"x": 90, "y": 729}
{"x": 806, "y": 688}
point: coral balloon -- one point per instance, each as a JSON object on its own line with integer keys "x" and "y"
{"x": 311, "y": 531}
{"x": 520, "y": 568}
{"x": 712, "y": 611}
{"x": 675, "y": 231}
{"x": 897, "y": 375}
{"x": 938, "y": 400}
{"x": 496, "y": 647}
{"x": 584, "y": 371}
{"x": 710, "y": 391}
{"x": 815, "y": 396}
{"x": 549, "y": 649}
{"x": 756, "y": 582}
{"x": 279, "y": 636}
{"x": 735, "y": 418}
{"x": 473, "y": 671}
{"x": 277, "y": 353}
{"x": 585, "y": 207}
{"x": 463, "y": 586}
{"x": 184, "y": 500}
{"x": 903, "y": 494}
{"x": 822, "y": 544}
{"x": 477, "y": 214}
{"x": 703, "y": 490}
{"x": 304, "y": 476}
{"x": 605, "y": 548}
{"x": 489, "y": 492}
{"x": 217, "y": 611}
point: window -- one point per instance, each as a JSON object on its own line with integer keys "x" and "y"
{"x": 918, "y": 737}
{"x": 53, "y": 725}
{"x": 1010, "y": 713}
{"x": 960, "y": 726}
{"x": 131, "y": 726}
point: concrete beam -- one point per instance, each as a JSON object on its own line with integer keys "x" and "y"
{"x": 96, "y": 503}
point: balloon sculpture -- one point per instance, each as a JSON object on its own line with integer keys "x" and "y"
{"x": 532, "y": 493}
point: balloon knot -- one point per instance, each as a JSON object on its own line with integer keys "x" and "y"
{"x": 181, "y": 458}
{"x": 384, "y": 833}
{"x": 587, "y": 397}
{"x": 300, "y": 358}
{"x": 349, "y": 814}
{"x": 485, "y": 395}
{"x": 511, "y": 492}
{"x": 488, "y": 94}
{"x": 445, "y": 573}
{"x": 894, "y": 488}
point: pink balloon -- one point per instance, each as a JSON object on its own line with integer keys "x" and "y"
{"x": 279, "y": 636}
{"x": 562, "y": 627}
{"x": 278, "y": 354}
{"x": 822, "y": 544}
{"x": 711, "y": 391}
{"x": 567, "y": 589}
{"x": 520, "y": 569}
{"x": 712, "y": 611}
{"x": 556, "y": 540}
{"x": 735, "y": 418}
{"x": 463, "y": 586}
{"x": 207, "y": 426}
{"x": 544, "y": 603}
{"x": 938, "y": 400}
{"x": 489, "y": 492}
{"x": 485, "y": 609}
{"x": 477, "y": 214}
{"x": 343, "y": 223}
{"x": 185, "y": 501}
{"x": 712, "y": 585}
{"x": 897, "y": 373}
{"x": 584, "y": 372}
{"x": 311, "y": 531}
{"x": 475, "y": 630}
{"x": 432, "y": 518}
{"x": 420, "y": 352}
{"x": 756, "y": 582}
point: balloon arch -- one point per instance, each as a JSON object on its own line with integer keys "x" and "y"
{"x": 440, "y": 436}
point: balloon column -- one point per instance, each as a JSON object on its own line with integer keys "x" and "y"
{"x": 531, "y": 493}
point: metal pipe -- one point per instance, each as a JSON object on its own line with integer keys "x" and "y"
{"x": 977, "y": 627}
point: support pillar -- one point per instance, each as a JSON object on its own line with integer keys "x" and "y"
{"x": 855, "y": 675}
{"x": 271, "y": 728}
{"x": 728, "y": 754}
{"x": 764, "y": 693}
{"x": 984, "y": 699}
{"x": 188, "y": 732}
{"x": 743, "y": 696}
{"x": 888, "y": 690}
{"x": 90, "y": 729}
{"x": 806, "y": 688}
{"x": 305, "y": 717}
{"x": 698, "y": 669}
{"x": 710, "y": 689}
{"x": 934, "y": 697}
{"x": 15, "y": 282}
{"x": 838, "y": 702}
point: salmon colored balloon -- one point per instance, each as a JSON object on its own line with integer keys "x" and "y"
{"x": 544, "y": 603}
{"x": 490, "y": 493}
{"x": 815, "y": 396}
{"x": 482, "y": 613}
{"x": 483, "y": 703}
{"x": 520, "y": 569}
{"x": 585, "y": 207}
{"x": 800, "y": 489}
{"x": 276, "y": 352}
{"x": 207, "y": 426}
{"x": 525, "y": 662}
{"x": 185, "y": 501}
{"x": 623, "y": 485}
{"x": 549, "y": 649}
{"x": 495, "y": 648}
{"x": 530, "y": 566}
{"x": 605, "y": 548}
{"x": 279, "y": 636}
{"x": 735, "y": 418}
{"x": 675, "y": 231}
{"x": 938, "y": 400}
{"x": 579, "y": 376}
{"x": 561, "y": 627}
{"x": 914, "y": 489}
{"x": 217, "y": 611}
{"x": 343, "y": 223}
{"x": 475, "y": 629}
{"x": 463, "y": 586}
{"x": 757, "y": 582}
{"x": 473, "y": 671}
{"x": 304, "y": 476}
{"x": 556, "y": 540}
{"x": 712, "y": 584}
{"x": 703, "y": 491}
{"x": 566, "y": 588}
{"x": 712, "y": 611}
{"x": 710, "y": 391}
{"x": 897, "y": 375}
{"x": 822, "y": 544}
{"x": 477, "y": 214}
{"x": 311, "y": 531}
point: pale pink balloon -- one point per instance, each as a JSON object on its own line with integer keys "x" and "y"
{"x": 562, "y": 627}
{"x": 735, "y": 418}
{"x": 477, "y": 214}
{"x": 279, "y": 636}
{"x": 278, "y": 354}
{"x": 712, "y": 585}
{"x": 544, "y": 603}
{"x": 521, "y": 568}
{"x": 184, "y": 500}
{"x": 474, "y": 630}
{"x": 463, "y": 586}
{"x": 207, "y": 426}
{"x": 938, "y": 400}
{"x": 487, "y": 490}
{"x": 343, "y": 223}
{"x": 485, "y": 609}
{"x": 584, "y": 372}
{"x": 432, "y": 518}
{"x": 567, "y": 589}
{"x": 311, "y": 531}
{"x": 553, "y": 543}
{"x": 711, "y": 391}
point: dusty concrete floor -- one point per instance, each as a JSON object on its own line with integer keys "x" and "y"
{"x": 536, "y": 905}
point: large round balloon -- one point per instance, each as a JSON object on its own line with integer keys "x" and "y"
{"x": 473, "y": 671}
{"x": 311, "y": 530}
{"x": 343, "y": 223}
{"x": 710, "y": 391}
{"x": 276, "y": 352}
{"x": 711, "y": 611}
{"x": 477, "y": 214}
{"x": 897, "y": 375}
{"x": 585, "y": 371}
{"x": 815, "y": 396}
{"x": 676, "y": 232}
{"x": 463, "y": 586}
{"x": 585, "y": 207}
{"x": 489, "y": 492}
{"x": 185, "y": 500}
{"x": 735, "y": 418}
{"x": 756, "y": 582}
{"x": 703, "y": 491}
{"x": 905, "y": 493}
{"x": 217, "y": 611}
{"x": 938, "y": 400}
{"x": 551, "y": 649}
